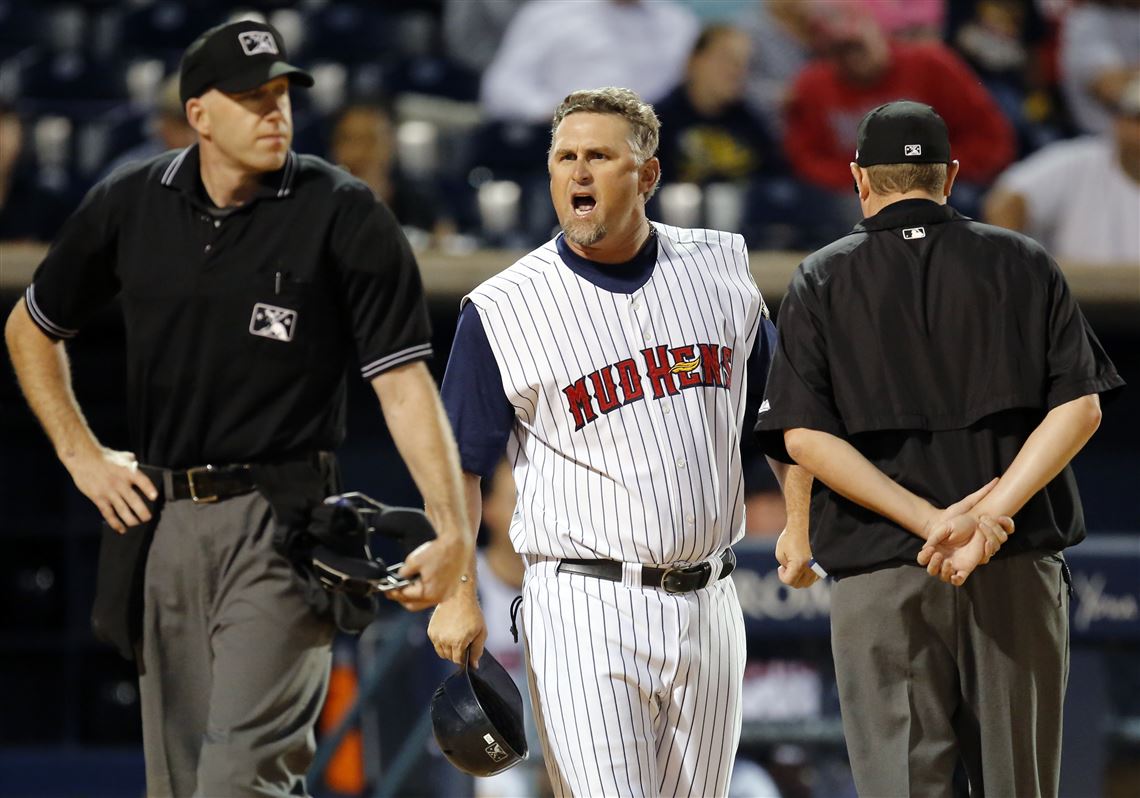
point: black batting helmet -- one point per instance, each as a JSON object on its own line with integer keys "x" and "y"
{"x": 477, "y": 715}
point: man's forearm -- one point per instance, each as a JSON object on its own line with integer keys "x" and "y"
{"x": 779, "y": 470}
{"x": 474, "y": 505}
{"x": 419, "y": 427}
{"x": 797, "y": 499}
{"x": 1057, "y": 439}
{"x": 44, "y": 375}
{"x": 841, "y": 467}
{"x": 795, "y": 484}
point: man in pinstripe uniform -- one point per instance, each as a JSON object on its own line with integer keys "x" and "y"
{"x": 613, "y": 365}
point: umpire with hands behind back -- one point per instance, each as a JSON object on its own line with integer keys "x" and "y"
{"x": 248, "y": 275}
{"x": 922, "y": 356}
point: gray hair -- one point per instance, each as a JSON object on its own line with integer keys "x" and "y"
{"x": 644, "y": 127}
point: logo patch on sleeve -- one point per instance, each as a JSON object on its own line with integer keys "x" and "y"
{"x": 257, "y": 41}
{"x": 270, "y": 321}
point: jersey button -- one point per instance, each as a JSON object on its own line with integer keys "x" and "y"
{"x": 636, "y": 305}
{"x": 208, "y": 248}
{"x": 680, "y": 462}
{"x": 666, "y": 410}
{"x": 217, "y": 223}
{"x": 690, "y": 520}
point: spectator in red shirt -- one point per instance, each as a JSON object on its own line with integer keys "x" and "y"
{"x": 861, "y": 70}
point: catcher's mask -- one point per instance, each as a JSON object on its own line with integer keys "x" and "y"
{"x": 477, "y": 716}
{"x": 342, "y": 557}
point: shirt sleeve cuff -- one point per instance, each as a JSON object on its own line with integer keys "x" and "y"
{"x": 50, "y": 328}
{"x": 1067, "y": 392}
{"x": 481, "y": 460}
{"x": 769, "y": 432}
{"x": 379, "y": 366}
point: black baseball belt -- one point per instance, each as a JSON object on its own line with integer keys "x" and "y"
{"x": 208, "y": 483}
{"x": 675, "y": 579}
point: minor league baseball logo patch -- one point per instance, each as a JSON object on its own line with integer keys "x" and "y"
{"x": 496, "y": 752}
{"x": 254, "y": 42}
{"x": 911, "y": 150}
{"x": 270, "y": 321}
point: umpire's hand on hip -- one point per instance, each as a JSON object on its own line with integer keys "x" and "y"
{"x": 112, "y": 481}
{"x": 457, "y": 624}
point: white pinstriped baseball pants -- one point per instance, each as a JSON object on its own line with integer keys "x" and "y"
{"x": 636, "y": 691}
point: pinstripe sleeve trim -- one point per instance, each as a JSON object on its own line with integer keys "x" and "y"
{"x": 42, "y": 321}
{"x": 376, "y": 367}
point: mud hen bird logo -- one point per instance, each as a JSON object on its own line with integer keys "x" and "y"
{"x": 685, "y": 366}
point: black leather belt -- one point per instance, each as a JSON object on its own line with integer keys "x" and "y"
{"x": 671, "y": 580}
{"x": 204, "y": 484}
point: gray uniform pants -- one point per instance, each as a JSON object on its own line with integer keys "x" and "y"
{"x": 929, "y": 673}
{"x": 234, "y": 664}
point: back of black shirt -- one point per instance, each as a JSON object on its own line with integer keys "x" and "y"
{"x": 934, "y": 345}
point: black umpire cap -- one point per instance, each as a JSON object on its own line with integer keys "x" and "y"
{"x": 236, "y": 57}
{"x": 902, "y": 132}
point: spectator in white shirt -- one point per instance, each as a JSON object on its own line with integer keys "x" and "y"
{"x": 1080, "y": 198}
{"x": 1099, "y": 54}
{"x": 553, "y": 47}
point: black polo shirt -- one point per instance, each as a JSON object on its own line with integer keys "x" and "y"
{"x": 239, "y": 323}
{"x": 934, "y": 345}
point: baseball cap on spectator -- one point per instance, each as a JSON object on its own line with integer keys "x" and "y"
{"x": 236, "y": 57}
{"x": 902, "y": 132}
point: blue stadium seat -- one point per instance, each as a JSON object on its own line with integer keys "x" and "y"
{"x": 435, "y": 75}
{"x": 165, "y": 27}
{"x": 72, "y": 75}
{"x": 352, "y": 33}
{"x": 20, "y": 25}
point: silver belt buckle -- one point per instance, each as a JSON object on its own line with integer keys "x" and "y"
{"x": 694, "y": 569}
{"x": 194, "y": 497}
{"x": 665, "y": 579}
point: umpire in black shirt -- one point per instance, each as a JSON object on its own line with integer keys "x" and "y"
{"x": 925, "y": 358}
{"x": 249, "y": 277}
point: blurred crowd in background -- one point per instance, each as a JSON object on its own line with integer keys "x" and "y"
{"x": 443, "y": 107}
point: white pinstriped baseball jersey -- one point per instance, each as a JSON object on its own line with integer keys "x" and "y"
{"x": 628, "y": 407}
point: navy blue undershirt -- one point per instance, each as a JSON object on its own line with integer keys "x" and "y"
{"x": 617, "y": 278}
{"x": 480, "y": 413}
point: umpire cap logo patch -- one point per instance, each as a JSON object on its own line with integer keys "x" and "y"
{"x": 270, "y": 321}
{"x": 911, "y": 150}
{"x": 254, "y": 42}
